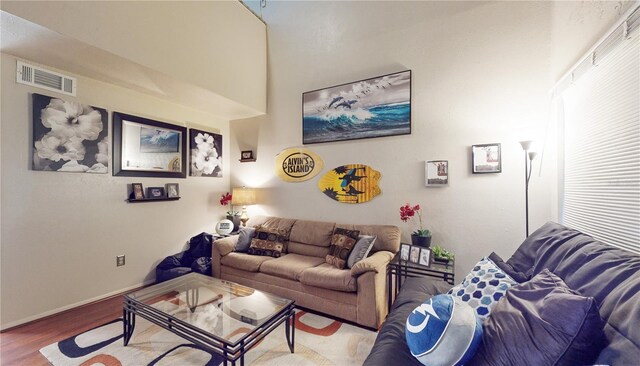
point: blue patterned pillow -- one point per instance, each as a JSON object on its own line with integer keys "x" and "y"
{"x": 443, "y": 331}
{"x": 483, "y": 287}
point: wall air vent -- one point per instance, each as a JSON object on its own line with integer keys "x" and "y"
{"x": 45, "y": 79}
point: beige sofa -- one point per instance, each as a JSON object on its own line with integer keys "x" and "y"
{"x": 358, "y": 294}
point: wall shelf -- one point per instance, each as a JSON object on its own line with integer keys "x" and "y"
{"x": 133, "y": 200}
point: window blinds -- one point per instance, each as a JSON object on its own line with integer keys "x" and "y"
{"x": 600, "y": 193}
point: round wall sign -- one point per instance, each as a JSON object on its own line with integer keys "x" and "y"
{"x": 298, "y": 164}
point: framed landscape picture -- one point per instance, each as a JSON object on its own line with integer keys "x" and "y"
{"x": 375, "y": 107}
{"x": 144, "y": 147}
{"x": 436, "y": 173}
{"x": 486, "y": 158}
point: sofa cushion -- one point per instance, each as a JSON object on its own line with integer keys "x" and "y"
{"x": 542, "y": 322}
{"x": 290, "y": 266}
{"x": 508, "y": 269}
{"x": 610, "y": 275}
{"x": 244, "y": 239}
{"x": 483, "y": 287}
{"x": 361, "y": 249}
{"x": 342, "y": 242}
{"x": 245, "y": 262}
{"x": 269, "y": 242}
{"x": 327, "y": 276}
{"x": 315, "y": 233}
{"x": 388, "y": 236}
{"x": 306, "y": 249}
{"x": 391, "y": 347}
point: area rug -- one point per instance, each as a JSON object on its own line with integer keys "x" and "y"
{"x": 319, "y": 341}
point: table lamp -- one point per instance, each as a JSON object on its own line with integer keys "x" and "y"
{"x": 243, "y": 197}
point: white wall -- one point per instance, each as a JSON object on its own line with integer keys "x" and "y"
{"x": 480, "y": 75}
{"x": 61, "y": 232}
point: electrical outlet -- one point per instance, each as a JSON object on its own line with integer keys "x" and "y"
{"x": 119, "y": 260}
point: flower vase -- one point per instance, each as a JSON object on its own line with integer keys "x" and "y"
{"x": 236, "y": 222}
{"x": 421, "y": 241}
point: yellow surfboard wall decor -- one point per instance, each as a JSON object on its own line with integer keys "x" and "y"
{"x": 298, "y": 164}
{"x": 352, "y": 183}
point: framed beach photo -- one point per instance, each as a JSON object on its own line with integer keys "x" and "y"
{"x": 404, "y": 252}
{"x": 414, "y": 254}
{"x": 425, "y": 256}
{"x": 147, "y": 148}
{"x": 375, "y": 107}
{"x": 173, "y": 190}
{"x": 486, "y": 158}
{"x": 436, "y": 173}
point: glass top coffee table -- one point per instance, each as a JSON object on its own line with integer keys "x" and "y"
{"x": 220, "y": 316}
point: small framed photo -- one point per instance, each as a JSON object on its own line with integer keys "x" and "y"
{"x": 436, "y": 173}
{"x": 425, "y": 256}
{"x": 155, "y": 192}
{"x": 414, "y": 254}
{"x": 246, "y": 155}
{"x": 486, "y": 158}
{"x": 137, "y": 190}
{"x": 404, "y": 252}
{"x": 173, "y": 190}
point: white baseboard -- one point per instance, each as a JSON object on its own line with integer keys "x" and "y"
{"x": 71, "y": 306}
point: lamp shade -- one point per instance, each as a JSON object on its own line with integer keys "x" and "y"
{"x": 243, "y": 196}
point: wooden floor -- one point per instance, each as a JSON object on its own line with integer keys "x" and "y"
{"x": 21, "y": 345}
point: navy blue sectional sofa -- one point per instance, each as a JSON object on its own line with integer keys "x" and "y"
{"x": 610, "y": 275}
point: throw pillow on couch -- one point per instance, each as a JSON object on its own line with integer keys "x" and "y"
{"x": 542, "y": 322}
{"x": 443, "y": 330}
{"x": 483, "y": 287}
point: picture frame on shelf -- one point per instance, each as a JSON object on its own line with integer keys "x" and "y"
{"x": 247, "y": 155}
{"x": 144, "y": 147}
{"x": 137, "y": 191}
{"x": 173, "y": 190}
{"x": 404, "y": 252}
{"x": 375, "y": 107}
{"x": 425, "y": 256}
{"x": 155, "y": 192}
{"x": 414, "y": 254}
{"x": 486, "y": 158}
{"x": 436, "y": 173}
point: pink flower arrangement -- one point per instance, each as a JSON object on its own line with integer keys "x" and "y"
{"x": 225, "y": 200}
{"x": 408, "y": 212}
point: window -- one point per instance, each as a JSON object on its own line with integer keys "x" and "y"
{"x": 600, "y": 191}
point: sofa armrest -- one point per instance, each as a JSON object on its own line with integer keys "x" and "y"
{"x": 376, "y": 263}
{"x": 220, "y": 248}
{"x": 225, "y": 245}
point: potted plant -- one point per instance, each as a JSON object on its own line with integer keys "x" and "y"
{"x": 232, "y": 215}
{"x": 441, "y": 255}
{"x": 421, "y": 236}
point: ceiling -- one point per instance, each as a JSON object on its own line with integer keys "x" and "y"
{"x": 35, "y": 43}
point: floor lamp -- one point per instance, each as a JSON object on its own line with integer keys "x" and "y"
{"x": 528, "y": 165}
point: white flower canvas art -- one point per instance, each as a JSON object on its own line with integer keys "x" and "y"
{"x": 69, "y": 136}
{"x": 206, "y": 154}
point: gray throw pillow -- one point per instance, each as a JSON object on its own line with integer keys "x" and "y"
{"x": 244, "y": 239}
{"x": 361, "y": 249}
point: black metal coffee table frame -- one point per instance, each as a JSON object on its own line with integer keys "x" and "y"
{"x": 230, "y": 351}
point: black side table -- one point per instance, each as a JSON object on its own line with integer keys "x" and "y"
{"x": 398, "y": 270}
